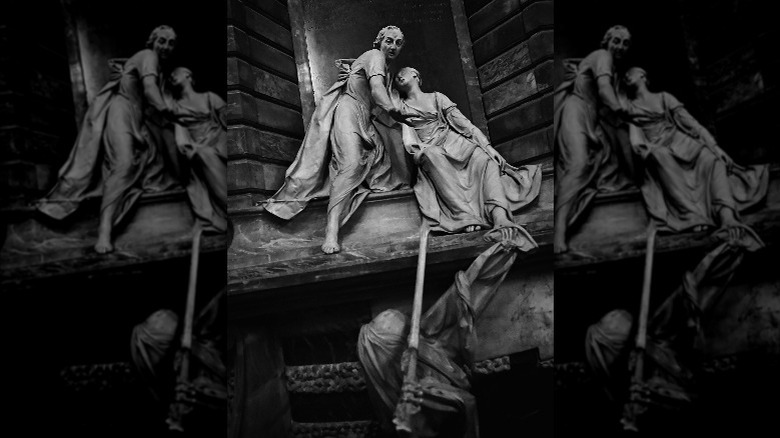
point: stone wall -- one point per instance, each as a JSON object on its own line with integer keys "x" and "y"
{"x": 265, "y": 125}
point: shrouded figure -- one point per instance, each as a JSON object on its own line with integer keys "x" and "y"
{"x": 448, "y": 339}
{"x": 196, "y": 402}
{"x": 342, "y": 154}
{"x": 116, "y": 154}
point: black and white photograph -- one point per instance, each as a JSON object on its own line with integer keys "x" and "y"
{"x": 360, "y": 218}
{"x": 114, "y": 217}
{"x": 666, "y": 218}
{"x": 390, "y": 186}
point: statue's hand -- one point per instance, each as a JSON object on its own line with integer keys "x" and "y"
{"x": 616, "y": 116}
{"x": 720, "y": 153}
{"x": 412, "y": 392}
{"x": 399, "y": 117}
{"x": 405, "y": 359}
{"x": 166, "y": 115}
{"x": 496, "y": 156}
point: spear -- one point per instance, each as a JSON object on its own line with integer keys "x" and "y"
{"x": 408, "y": 405}
{"x": 178, "y": 410}
{"x": 632, "y": 409}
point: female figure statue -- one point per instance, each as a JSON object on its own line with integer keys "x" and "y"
{"x": 689, "y": 181}
{"x": 463, "y": 183}
{"x": 342, "y": 153}
{"x": 201, "y": 136}
{"x": 584, "y": 159}
{"x": 115, "y": 154}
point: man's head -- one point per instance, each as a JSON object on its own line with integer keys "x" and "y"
{"x": 162, "y": 40}
{"x": 406, "y": 78}
{"x": 617, "y": 40}
{"x": 390, "y": 40}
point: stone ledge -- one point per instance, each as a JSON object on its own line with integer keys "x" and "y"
{"x": 384, "y": 218}
{"x": 616, "y": 226}
{"x": 85, "y": 261}
{"x": 26, "y": 210}
{"x": 337, "y": 278}
{"x": 37, "y": 247}
{"x": 383, "y": 236}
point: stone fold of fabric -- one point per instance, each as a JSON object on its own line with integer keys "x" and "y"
{"x": 685, "y": 183}
{"x": 587, "y": 145}
{"x": 201, "y": 136}
{"x": 446, "y": 349}
{"x": 343, "y": 156}
{"x": 458, "y": 183}
{"x": 117, "y": 154}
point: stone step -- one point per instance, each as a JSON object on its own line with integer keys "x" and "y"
{"x": 37, "y": 246}
{"x": 616, "y": 227}
{"x": 268, "y": 252}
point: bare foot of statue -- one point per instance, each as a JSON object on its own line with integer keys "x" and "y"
{"x": 103, "y": 244}
{"x": 559, "y": 244}
{"x": 331, "y": 245}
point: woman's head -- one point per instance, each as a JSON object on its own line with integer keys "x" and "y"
{"x": 635, "y": 76}
{"x": 406, "y": 78}
{"x": 162, "y": 40}
{"x": 390, "y": 40}
{"x": 617, "y": 40}
{"x": 182, "y": 75}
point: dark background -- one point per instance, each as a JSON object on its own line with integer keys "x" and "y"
{"x": 345, "y": 29}
{"x": 118, "y": 30}
{"x": 657, "y": 40}
{"x": 718, "y": 57}
{"x": 87, "y": 318}
{"x": 714, "y": 56}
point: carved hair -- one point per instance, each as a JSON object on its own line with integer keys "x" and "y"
{"x": 415, "y": 72}
{"x": 611, "y": 32}
{"x": 156, "y": 32}
{"x": 186, "y": 70}
{"x": 640, "y": 70}
{"x": 381, "y": 35}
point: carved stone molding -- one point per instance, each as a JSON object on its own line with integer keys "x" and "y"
{"x": 98, "y": 377}
{"x": 325, "y": 378}
{"x": 348, "y": 376}
{"x": 490, "y": 366}
{"x": 341, "y": 429}
{"x": 548, "y": 363}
